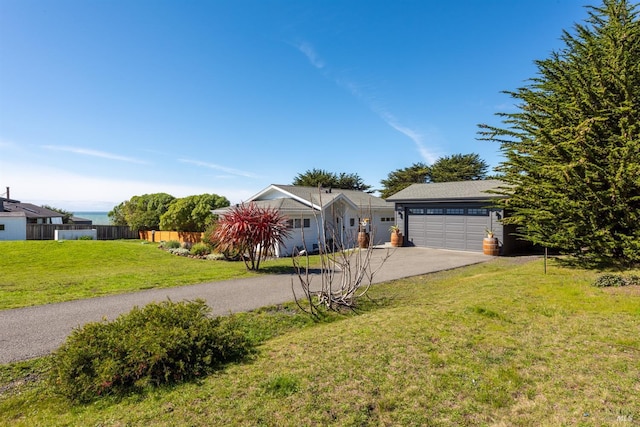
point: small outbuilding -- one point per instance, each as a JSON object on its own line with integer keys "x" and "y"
{"x": 452, "y": 215}
{"x": 13, "y": 226}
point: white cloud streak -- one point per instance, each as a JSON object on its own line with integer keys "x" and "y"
{"x": 311, "y": 54}
{"x": 220, "y": 168}
{"x": 419, "y": 140}
{"x": 92, "y": 153}
{"x": 76, "y": 192}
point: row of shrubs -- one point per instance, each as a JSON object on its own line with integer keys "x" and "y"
{"x": 199, "y": 250}
{"x": 616, "y": 280}
{"x": 162, "y": 343}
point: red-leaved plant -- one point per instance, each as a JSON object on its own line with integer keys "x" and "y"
{"x": 252, "y": 231}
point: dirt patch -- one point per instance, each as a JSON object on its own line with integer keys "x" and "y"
{"x": 632, "y": 290}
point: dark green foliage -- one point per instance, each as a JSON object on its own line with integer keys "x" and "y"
{"x": 458, "y": 167}
{"x": 85, "y": 238}
{"x": 573, "y": 149}
{"x": 171, "y": 244}
{"x": 616, "y": 280}
{"x": 402, "y": 178}
{"x": 323, "y": 178}
{"x": 142, "y": 212}
{"x": 161, "y": 343}
{"x": 192, "y": 213}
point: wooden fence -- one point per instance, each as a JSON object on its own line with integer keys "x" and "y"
{"x": 160, "y": 236}
{"x": 105, "y": 232}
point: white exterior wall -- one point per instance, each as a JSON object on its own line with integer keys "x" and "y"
{"x": 75, "y": 234}
{"x": 295, "y": 240}
{"x": 15, "y": 227}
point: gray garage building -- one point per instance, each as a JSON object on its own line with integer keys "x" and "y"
{"x": 451, "y": 215}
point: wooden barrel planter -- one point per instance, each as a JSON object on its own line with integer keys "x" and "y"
{"x": 490, "y": 246}
{"x": 363, "y": 239}
{"x": 396, "y": 240}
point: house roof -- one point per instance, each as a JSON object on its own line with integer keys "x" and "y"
{"x": 324, "y": 196}
{"x": 448, "y": 191}
{"x": 12, "y": 215}
{"x": 291, "y": 199}
{"x": 30, "y": 210}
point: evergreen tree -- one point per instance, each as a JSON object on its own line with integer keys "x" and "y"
{"x": 400, "y": 179}
{"x": 458, "y": 167}
{"x": 323, "y": 178}
{"x": 572, "y": 149}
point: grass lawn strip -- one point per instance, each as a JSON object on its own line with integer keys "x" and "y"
{"x": 491, "y": 344}
{"x": 42, "y": 272}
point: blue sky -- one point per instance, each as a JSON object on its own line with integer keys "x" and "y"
{"x": 104, "y": 100}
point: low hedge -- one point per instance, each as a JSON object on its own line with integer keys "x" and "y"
{"x": 161, "y": 343}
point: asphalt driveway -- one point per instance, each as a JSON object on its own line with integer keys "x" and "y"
{"x": 31, "y": 332}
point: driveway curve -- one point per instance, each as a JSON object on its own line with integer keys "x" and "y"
{"x": 31, "y": 332}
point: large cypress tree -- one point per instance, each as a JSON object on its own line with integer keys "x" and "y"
{"x": 572, "y": 148}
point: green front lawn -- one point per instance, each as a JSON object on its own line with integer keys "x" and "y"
{"x": 498, "y": 343}
{"x": 41, "y": 272}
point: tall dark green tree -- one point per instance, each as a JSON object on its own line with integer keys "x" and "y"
{"x": 400, "y": 179}
{"x": 458, "y": 167}
{"x": 572, "y": 148}
{"x": 323, "y": 178}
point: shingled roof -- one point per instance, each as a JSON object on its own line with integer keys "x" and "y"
{"x": 30, "y": 210}
{"x": 448, "y": 191}
{"x": 327, "y": 195}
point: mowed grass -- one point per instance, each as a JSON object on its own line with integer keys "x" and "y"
{"x": 41, "y": 272}
{"x": 498, "y": 344}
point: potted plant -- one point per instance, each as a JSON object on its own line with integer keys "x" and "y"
{"x": 396, "y": 236}
{"x": 490, "y": 244}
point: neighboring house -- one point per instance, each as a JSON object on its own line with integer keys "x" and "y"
{"x": 324, "y": 214}
{"x": 34, "y": 214}
{"x": 13, "y": 226}
{"x": 452, "y": 215}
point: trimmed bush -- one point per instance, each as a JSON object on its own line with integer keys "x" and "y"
{"x": 179, "y": 251}
{"x": 159, "y": 344}
{"x": 611, "y": 280}
{"x": 200, "y": 249}
{"x": 85, "y": 238}
{"x": 171, "y": 244}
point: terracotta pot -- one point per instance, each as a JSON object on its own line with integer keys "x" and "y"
{"x": 490, "y": 246}
{"x": 363, "y": 239}
{"x": 396, "y": 239}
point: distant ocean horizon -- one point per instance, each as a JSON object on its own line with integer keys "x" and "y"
{"x": 97, "y": 218}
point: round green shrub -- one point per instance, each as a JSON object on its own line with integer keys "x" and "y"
{"x": 608, "y": 280}
{"x": 179, "y": 251}
{"x": 172, "y": 244}
{"x": 200, "y": 249}
{"x": 161, "y": 343}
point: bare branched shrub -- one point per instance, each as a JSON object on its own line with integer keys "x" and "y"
{"x": 345, "y": 275}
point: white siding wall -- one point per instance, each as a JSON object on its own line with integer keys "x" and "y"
{"x": 15, "y": 228}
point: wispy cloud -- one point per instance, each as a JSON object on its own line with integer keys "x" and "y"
{"x": 92, "y": 153}
{"x": 356, "y": 90}
{"x": 311, "y": 54}
{"x": 219, "y": 167}
{"x": 418, "y": 139}
{"x": 80, "y": 192}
